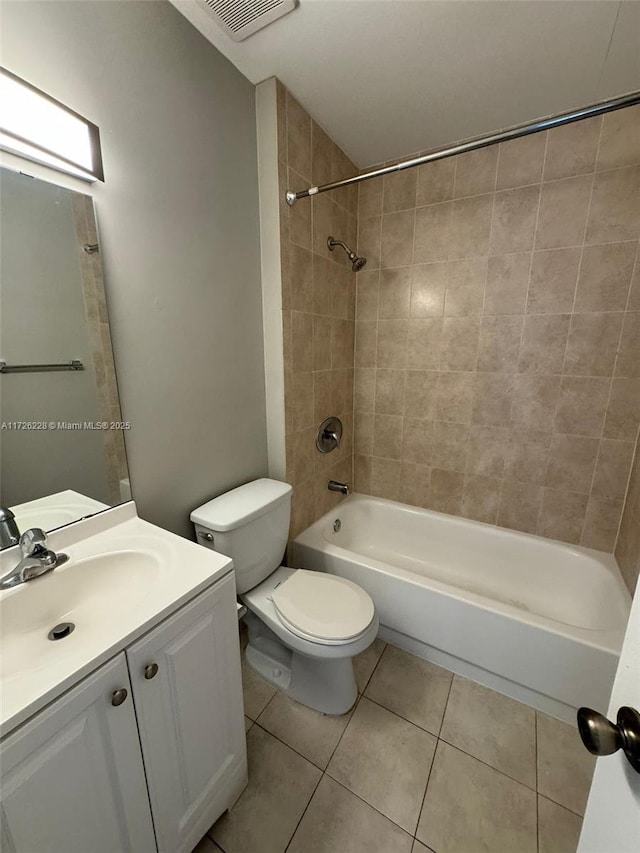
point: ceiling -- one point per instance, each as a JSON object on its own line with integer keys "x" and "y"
{"x": 387, "y": 78}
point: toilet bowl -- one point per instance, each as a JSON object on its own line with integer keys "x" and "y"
{"x": 304, "y": 626}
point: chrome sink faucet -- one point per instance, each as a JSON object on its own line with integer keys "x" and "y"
{"x": 36, "y": 560}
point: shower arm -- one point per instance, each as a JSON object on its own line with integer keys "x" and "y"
{"x": 514, "y": 132}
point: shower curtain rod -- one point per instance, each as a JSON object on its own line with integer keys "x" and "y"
{"x": 514, "y": 132}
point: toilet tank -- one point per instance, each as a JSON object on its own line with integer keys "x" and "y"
{"x": 250, "y": 524}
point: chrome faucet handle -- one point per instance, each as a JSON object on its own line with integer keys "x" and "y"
{"x": 33, "y": 542}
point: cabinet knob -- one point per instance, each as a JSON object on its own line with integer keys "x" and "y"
{"x": 150, "y": 670}
{"x": 118, "y": 696}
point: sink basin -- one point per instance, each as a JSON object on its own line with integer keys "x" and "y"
{"x": 81, "y": 592}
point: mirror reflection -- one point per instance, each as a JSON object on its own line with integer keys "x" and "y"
{"x": 62, "y": 453}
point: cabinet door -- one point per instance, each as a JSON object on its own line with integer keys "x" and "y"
{"x": 190, "y": 716}
{"x": 73, "y": 778}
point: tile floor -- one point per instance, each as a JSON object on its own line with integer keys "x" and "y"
{"x": 427, "y": 762}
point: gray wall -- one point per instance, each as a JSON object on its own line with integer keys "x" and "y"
{"x": 178, "y": 216}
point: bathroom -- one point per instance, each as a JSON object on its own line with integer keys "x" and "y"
{"x": 484, "y": 364}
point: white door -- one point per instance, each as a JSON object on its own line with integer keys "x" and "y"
{"x": 612, "y": 818}
{"x": 73, "y": 779}
{"x": 188, "y": 695}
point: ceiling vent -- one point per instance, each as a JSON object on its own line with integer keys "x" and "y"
{"x": 240, "y": 19}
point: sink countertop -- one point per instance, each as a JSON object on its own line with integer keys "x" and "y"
{"x": 155, "y": 572}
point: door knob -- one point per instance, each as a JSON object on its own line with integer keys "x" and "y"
{"x": 602, "y": 737}
{"x": 118, "y": 696}
{"x": 150, "y": 670}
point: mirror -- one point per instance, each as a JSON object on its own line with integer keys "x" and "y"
{"x": 62, "y": 453}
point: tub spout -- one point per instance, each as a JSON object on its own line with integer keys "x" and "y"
{"x": 336, "y": 486}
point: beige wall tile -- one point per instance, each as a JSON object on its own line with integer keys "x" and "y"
{"x": 415, "y": 484}
{"x": 366, "y": 344}
{"x": 385, "y": 478}
{"x": 465, "y": 283}
{"x": 521, "y": 161}
{"x": 605, "y": 277}
{"x": 514, "y": 220}
{"x": 476, "y": 172}
{"x": 321, "y": 155}
{"x": 592, "y": 344}
{"x": 394, "y": 293}
{"x": 572, "y": 461}
{"x": 387, "y": 436}
{"x": 392, "y": 343}
{"x": 519, "y": 506}
{"x": 544, "y": 341}
{"x": 449, "y": 446}
{"x": 420, "y": 393}
{"x": 634, "y": 294}
{"x": 321, "y": 342}
{"x": 363, "y": 432}
{"x": 364, "y": 390}
{"x": 615, "y": 206}
{"x": 370, "y": 198}
{"x": 481, "y": 498}
{"x": 369, "y": 237}
{"x": 362, "y": 474}
{"x": 301, "y": 273}
{"x": 620, "y": 139}
{"x": 470, "y": 227}
{"x": 424, "y": 344}
{"x": 534, "y": 401}
{"x": 601, "y": 523}
{"x": 454, "y": 396}
{"x": 446, "y": 491}
{"x": 427, "y": 290}
{"x": 435, "y": 181}
{"x": 612, "y": 469}
{"x": 563, "y": 212}
{"x": 399, "y": 191}
{"x": 627, "y": 549}
{"x": 342, "y": 343}
{"x": 432, "y": 233}
{"x": 298, "y": 138}
{"x": 417, "y": 440}
{"x": 554, "y": 273}
{"x": 628, "y": 363}
{"x": 526, "y": 455}
{"x": 492, "y": 398}
{"x": 623, "y": 411}
{"x": 507, "y": 280}
{"x": 562, "y": 515}
{"x": 499, "y": 343}
{"x": 324, "y": 272}
{"x": 299, "y": 216}
{"x": 572, "y": 149}
{"x": 389, "y": 391}
{"x": 487, "y": 450}
{"x": 460, "y": 341}
{"x": 582, "y": 404}
{"x": 397, "y": 238}
{"x": 367, "y": 295}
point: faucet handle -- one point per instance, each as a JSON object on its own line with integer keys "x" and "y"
{"x": 33, "y": 541}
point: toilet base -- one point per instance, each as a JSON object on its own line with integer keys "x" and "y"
{"x": 326, "y": 685}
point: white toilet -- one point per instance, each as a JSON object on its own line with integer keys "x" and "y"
{"x": 304, "y": 627}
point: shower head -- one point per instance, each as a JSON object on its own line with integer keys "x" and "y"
{"x": 356, "y": 262}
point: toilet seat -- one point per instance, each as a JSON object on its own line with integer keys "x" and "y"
{"x": 323, "y": 608}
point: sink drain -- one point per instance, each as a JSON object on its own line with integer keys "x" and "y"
{"x": 59, "y": 632}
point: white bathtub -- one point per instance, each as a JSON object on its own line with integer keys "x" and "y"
{"x": 536, "y": 619}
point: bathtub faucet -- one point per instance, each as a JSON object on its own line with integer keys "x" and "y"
{"x": 336, "y": 486}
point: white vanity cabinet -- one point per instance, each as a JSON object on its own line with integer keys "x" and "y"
{"x": 73, "y": 778}
{"x": 186, "y": 684}
{"x": 93, "y": 774}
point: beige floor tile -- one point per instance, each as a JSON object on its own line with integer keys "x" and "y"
{"x": 420, "y": 848}
{"x": 365, "y": 663}
{"x": 386, "y": 761}
{"x": 309, "y": 732}
{"x": 281, "y": 784}
{"x": 493, "y": 728}
{"x": 565, "y": 767}
{"x": 247, "y": 724}
{"x": 338, "y": 822}
{"x": 471, "y": 808}
{"x": 256, "y": 692}
{"x": 412, "y": 687}
{"x": 558, "y": 828}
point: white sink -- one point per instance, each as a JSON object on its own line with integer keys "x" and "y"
{"x": 123, "y": 576}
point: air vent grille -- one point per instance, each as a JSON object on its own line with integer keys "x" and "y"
{"x": 241, "y": 18}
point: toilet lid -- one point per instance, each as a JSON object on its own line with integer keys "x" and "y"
{"x": 323, "y": 607}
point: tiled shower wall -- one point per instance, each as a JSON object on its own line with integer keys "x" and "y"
{"x": 318, "y": 305}
{"x": 628, "y": 545}
{"x": 497, "y": 367}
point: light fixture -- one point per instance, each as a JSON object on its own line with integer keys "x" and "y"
{"x": 36, "y": 126}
